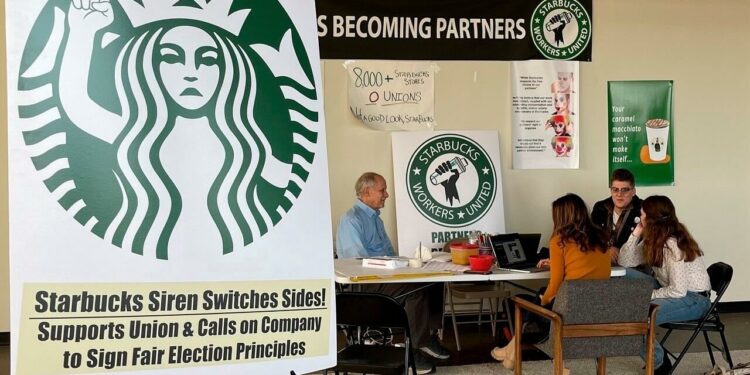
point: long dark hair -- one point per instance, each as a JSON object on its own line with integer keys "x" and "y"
{"x": 572, "y": 223}
{"x": 661, "y": 224}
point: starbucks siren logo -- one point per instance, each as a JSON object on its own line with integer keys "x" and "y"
{"x": 561, "y": 29}
{"x": 170, "y": 126}
{"x": 451, "y": 180}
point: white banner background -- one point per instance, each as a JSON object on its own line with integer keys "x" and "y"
{"x": 47, "y": 245}
{"x": 392, "y": 95}
{"x": 416, "y": 155}
{"x": 545, "y": 114}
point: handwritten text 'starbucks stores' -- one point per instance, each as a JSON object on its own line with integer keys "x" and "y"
{"x": 641, "y": 130}
{"x": 451, "y": 184}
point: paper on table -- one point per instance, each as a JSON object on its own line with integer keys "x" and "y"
{"x": 399, "y": 276}
{"x": 441, "y": 257}
{"x": 385, "y": 262}
{"x": 444, "y": 266}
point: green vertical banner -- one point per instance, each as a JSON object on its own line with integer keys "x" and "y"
{"x": 641, "y": 130}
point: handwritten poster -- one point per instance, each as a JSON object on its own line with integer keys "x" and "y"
{"x": 641, "y": 130}
{"x": 392, "y": 95}
{"x": 162, "y": 154}
{"x": 546, "y": 130}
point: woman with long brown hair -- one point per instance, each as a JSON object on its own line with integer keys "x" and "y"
{"x": 578, "y": 250}
{"x": 681, "y": 281}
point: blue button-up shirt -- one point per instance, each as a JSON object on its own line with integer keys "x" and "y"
{"x": 361, "y": 233}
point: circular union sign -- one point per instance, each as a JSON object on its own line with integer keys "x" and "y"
{"x": 561, "y": 29}
{"x": 451, "y": 180}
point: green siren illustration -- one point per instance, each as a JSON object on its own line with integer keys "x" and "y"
{"x": 165, "y": 124}
{"x": 451, "y": 180}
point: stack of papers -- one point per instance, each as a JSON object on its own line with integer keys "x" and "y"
{"x": 440, "y": 256}
{"x": 444, "y": 266}
{"x": 385, "y": 262}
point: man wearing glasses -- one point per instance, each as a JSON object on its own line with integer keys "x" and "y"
{"x": 618, "y": 213}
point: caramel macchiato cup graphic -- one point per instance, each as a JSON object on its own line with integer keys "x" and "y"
{"x": 657, "y": 135}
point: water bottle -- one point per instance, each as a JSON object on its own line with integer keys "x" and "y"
{"x": 474, "y": 237}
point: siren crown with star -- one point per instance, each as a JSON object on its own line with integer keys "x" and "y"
{"x": 215, "y": 12}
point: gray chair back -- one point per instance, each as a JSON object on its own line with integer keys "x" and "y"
{"x": 615, "y": 300}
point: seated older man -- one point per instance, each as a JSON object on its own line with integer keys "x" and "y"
{"x": 361, "y": 234}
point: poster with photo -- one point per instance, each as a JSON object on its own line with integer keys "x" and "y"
{"x": 545, "y": 113}
{"x": 641, "y": 130}
{"x": 161, "y": 155}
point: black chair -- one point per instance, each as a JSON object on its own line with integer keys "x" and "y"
{"x": 358, "y": 311}
{"x": 720, "y": 274}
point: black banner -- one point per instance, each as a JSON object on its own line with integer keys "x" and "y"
{"x": 455, "y": 29}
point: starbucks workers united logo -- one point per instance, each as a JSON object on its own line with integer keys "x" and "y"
{"x": 451, "y": 180}
{"x": 561, "y": 29}
{"x": 162, "y": 125}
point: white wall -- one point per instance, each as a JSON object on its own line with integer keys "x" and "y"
{"x": 703, "y": 46}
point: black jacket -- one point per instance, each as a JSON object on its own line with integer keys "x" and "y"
{"x": 601, "y": 215}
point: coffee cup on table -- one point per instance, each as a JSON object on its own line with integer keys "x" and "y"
{"x": 657, "y": 136}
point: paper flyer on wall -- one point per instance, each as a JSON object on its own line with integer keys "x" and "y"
{"x": 545, "y": 113}
{"x": 162, "y": 155}
{"x": 392, "y": 95}
{"x": 447, "y": 184}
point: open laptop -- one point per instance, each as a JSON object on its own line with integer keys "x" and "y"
{"x": 515, "y": 252}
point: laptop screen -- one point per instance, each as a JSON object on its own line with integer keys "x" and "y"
{"x": 510, "y": 252}
{"x": 530, "y": 242}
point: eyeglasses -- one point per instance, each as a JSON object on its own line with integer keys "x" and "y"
{"x": 624, "y": 190}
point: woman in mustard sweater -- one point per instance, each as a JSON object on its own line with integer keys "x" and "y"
{"x": 578, "y": 250}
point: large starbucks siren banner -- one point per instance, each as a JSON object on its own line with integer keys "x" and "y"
{"x": 164, "y": 155}
{"x": 447, "y": 184}
{"x": 641, "y": 130}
